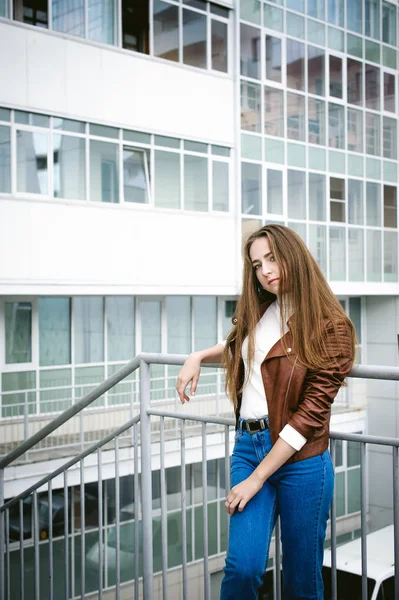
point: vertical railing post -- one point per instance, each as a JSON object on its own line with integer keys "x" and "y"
{"x": 2, "y": 535}
{"x": 333, "y": 529}
{"x": 26, "y": 417}
{"x": 395, "y": 457}
{"x": 146, "y": 487}
{"x": 363, "y": 518}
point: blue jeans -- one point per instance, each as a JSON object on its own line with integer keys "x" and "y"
{"x": 301, "y": 494}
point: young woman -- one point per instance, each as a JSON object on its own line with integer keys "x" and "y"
{"x": 286, "y": 358}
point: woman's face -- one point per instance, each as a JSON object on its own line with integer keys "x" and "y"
{"x": 266, "y": 269}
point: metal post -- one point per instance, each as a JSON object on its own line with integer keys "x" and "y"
{"x": 100, "y": 523}
{"x": 363, "y": 518}
{"x": 395, "y": 457}
{"x": 117, "y": 523}
{"x": 227, "y": 471}
{"x": 26, "y": 417}
{"x": 7, "y": 535}
{"x": 82, "y": 531}
{"x": 66, "y": 535}
{"x": 50, "y": 540}
{"x": 207, "y": 589}
{"x": 21, "y": 550}
{"x": 1, "y": 535}
{"x": 136, "y": 496}
{"x": 333, "y": 532}
{"x": 146, "y": 483}
{"x": 277, "y": 554}
{"x": 36, "y": 547}
{"x": 164, "y": 509}
{"x": 183, "y": 505}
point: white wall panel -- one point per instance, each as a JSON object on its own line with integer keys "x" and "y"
{"x": 45, "y": 59}
{"x": 13, "y": 65}
{"x": 106, "y": 249}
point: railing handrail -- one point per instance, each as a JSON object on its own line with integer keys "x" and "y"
{"x": 360, "y": 371}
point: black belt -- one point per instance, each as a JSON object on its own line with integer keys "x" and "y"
{"x": 254, "y": 425}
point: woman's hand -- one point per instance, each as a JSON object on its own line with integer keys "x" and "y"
{"x": 242, "y": 493}
{"x": 190, "y": 371}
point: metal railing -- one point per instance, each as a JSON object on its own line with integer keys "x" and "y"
{"x": 141, "y": 566}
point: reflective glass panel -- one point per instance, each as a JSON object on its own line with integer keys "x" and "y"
{"x": 166, "y": 30}
{"x": 316, "y": 9}
{"x": 54, "y": 331}
{"x": 355, "y": 130}
{"x": 178, "y": 320}
{"x": 355, "y": 202}
{"x": 318, "y": 245}
{"x": 373, "y": 134}
{"x": 134, "y": 176}
{"x": 296, "y": 117}
{"x": 372, "y": 18}
{"x": 5, "y": 164}
{"x": 251, "y": 188}
{"x": 88, "y": 329}
{"x": 389, "y": 92}
{"x": 354, "y": 15}
{"x": 296, "y": 194}
{"x": 33, "y": 12}
{"x": 194, "y": 39}
{"x": 337, "y": 199}
{"x": 120, "y": 327}
{"x": 250, "y": 51}
{"x": 205, "y": 322}
{"x": 355, "y": 82}
{"x": 372, "y": 87}
{"x": 274, "y": 191}
{"x": 390, "y": 256}
{"x": 298, "y": 5}
{"x": 389, "y": 137}
{"x": 295, "y": 25}
{"x": 32, "y": 174}
{"x": 250, "y": 106}
{"x": 336, "y": 12}
{"x": 220, "y": 185}
{"x": 316, "y": 76}
{"x": 316, "y": 121}
{"x": 68, "y": 16}
{"x": 104, "y": 172}
{"x": 150, "y": 316}
{"x": 273, "y": 18}
{"x": 69, "y": 169}
{"x": 68, "y": 125}
{"x": 335, "y": 76}
{"x": 317, "y": 197}
{"x": 373, "y": 204}
{"x": 336, "y": 126}
{"x": 5, "y": 114}
{"x": 4, "y": 8}
{"x": 295, "y": 65}
{"x": 337, "y": 254}
{"x": 219, "y": 45}
{"x": 273, "y": 58}
{"x": 195, "y": 183}
{"x": 390, "y": 206}
{"x": 13, "y": 404}
{"x": 389, "y": 23}
{"x": 167, "y": 179}
{"x": 374, "y": 255}
{"x": 274, "y": 112}
{"x": 18, "y": 332}
{"x": 101, "y": 25}
{"x": 135, "y": 26}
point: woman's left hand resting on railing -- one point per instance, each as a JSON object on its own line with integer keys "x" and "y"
{"x": 191, "y": 369}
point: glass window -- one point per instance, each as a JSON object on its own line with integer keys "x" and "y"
{"x": 69, "y": 17}
{"x": 89, "y": 329}
{"x": 273, "y": 17}
{"x": 205, "y": 322}
{"x": 373, "y": 134}
{"x": 273, "y": 58}
{"x": 220, "y": 186}
{"x": 251, "y": 189}
{"x": 135, "y": 176}
{"x": 372, "y": 18}
{"x": 120, "y": 327}
{"x": 219, "y": 45}
{"x": 250, "y": 106}
{"x": 336, "y": 126}
{"x": 336, "y": 12}
{"x": 229, "y": 307}
{"x": 355, "y": 130}
{"x": 135, "y": 26}
{"x": 316, "y": 76}
{"x": 389, "y": 23}
{"x": 5, "y": 114}
{"x": 69, "y": 175}
{"x": 335, "y": 76}
{"x": 295, "y": 65}
{"x": 18, "y": 330}
{"x": 250, "y": 51}
{"x": 316, "y": 121}
{"x": 390, "y": 256}
{"x": 317, "y": 197}
{"x": 13, "y": 404}
{"x": 178, "y": 318}
{"x": 298, "y": 5}
{"x": 355, "y": 202}
{"x": 355, "y": 82}
{"x": 274, "y": 112}
{"x": 101, "y": 21}
{"x": 32, "y": 170}
{"x": 354, "y": 17}
{"x": 167, "y": 179}
{"x": 296, "y": 117}
{"x": 104, "y": 131}
{"x": 296, "y": 194}
{"x": 355, "y": 314}
{"x": 390, "y": 206}
{"x": 316, "y": 9}
{"x": 54, "y": 331}
{"x": 35, "y": 119}
{"x": 373, "y": 241}
{"x": 4, "y": 8}
{"x": 337, "y": 199}
{"x": 389, "y": 92}
{"x": 295, "y": 25}
{"x": 68, "y": 125}
{"x": 166, "y": 30}
{"x": 372, "y": 87}
{"x": 195, "y": 183}
{"x": 356, "y": 254}
{"x": 389, "y": 137}
{"x": 196, "y": 147}
{"x": 5, "y": 168}
{"x": 33, "y": 12}
{"x": 274, "y": 191}
{"x": 318, "y": 245}
{"x": 194, "y": 39}
{"x": 337, "y": 254}
{"x": 373, "y": 204}
{"x": 104, "y": 170}
{"x": 150, "y": 316}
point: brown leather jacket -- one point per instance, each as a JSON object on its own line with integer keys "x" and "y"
{"x": 300, "y": 396}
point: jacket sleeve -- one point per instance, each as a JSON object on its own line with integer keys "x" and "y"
{"x": 322, "y": 385}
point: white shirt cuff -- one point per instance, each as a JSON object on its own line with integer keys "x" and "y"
{"x": 293, "y": 437}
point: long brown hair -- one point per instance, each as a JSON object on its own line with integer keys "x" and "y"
{"x": 303, "y": 291}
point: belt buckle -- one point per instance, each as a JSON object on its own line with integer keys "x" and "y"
{"x": 254, "y": 422}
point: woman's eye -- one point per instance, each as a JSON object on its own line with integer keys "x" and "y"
{"x": 272, "y": 258}
{"x": 256, "y": 267}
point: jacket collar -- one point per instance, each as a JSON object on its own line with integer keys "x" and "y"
{"x": 278, "y": 348}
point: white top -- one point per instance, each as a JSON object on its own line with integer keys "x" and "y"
{"x": 254, "y": 401}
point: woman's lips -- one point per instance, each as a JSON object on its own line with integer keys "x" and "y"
{"x": 272, "y": 281}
